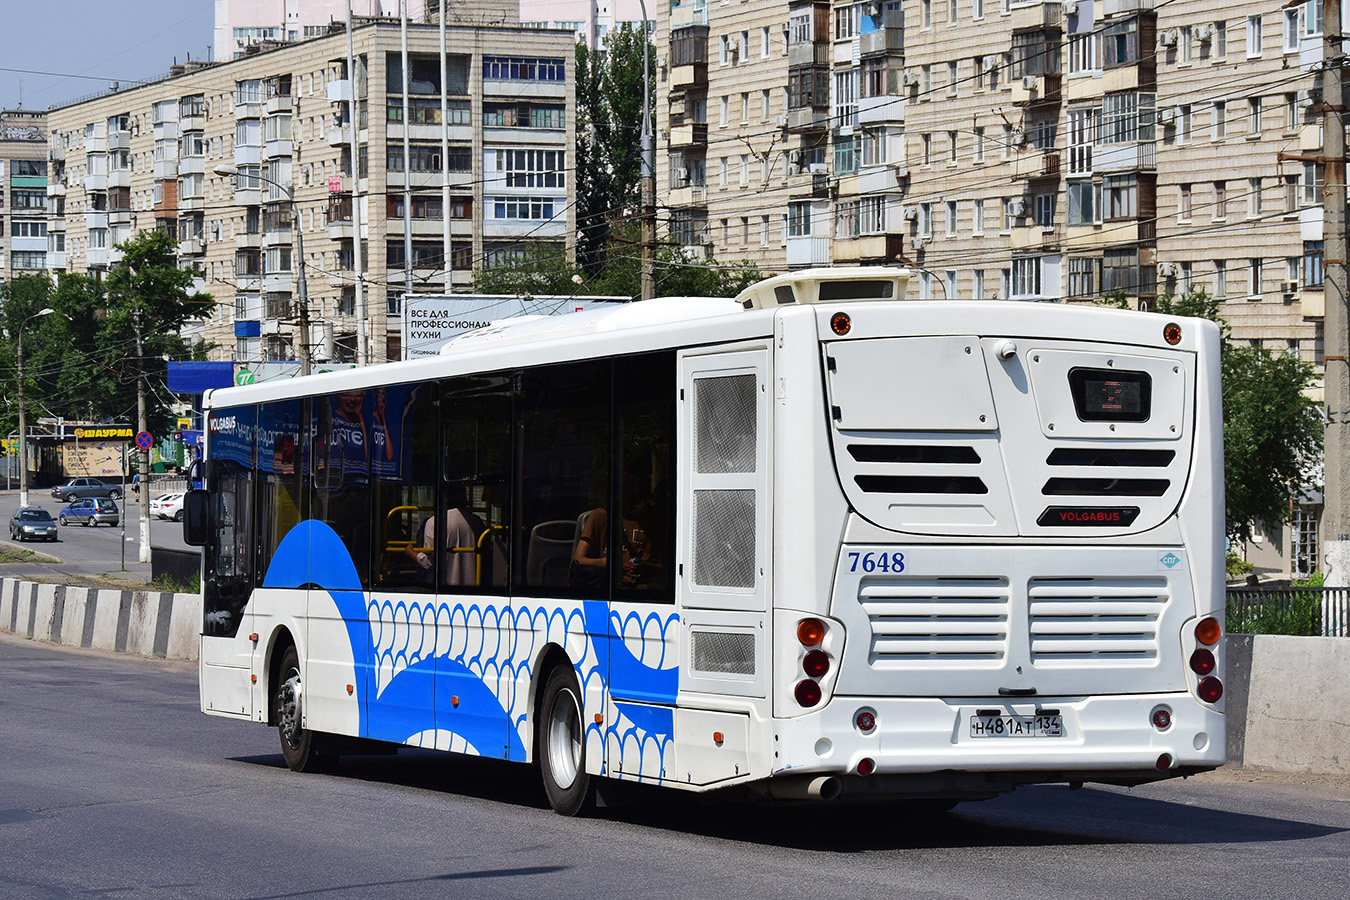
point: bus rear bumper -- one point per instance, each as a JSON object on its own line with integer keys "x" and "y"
{"x": 1111, "y": 739}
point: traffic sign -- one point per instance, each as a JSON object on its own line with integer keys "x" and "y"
{"x": 144, "y": 440}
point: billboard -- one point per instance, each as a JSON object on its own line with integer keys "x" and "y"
{"x": 429, "y": 320}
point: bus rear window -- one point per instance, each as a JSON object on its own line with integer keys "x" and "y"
{"x": 875, "y": 289}
{"x": 1108, "y": 395}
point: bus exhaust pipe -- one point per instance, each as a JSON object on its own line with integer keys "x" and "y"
{"x": 821, "y": 787}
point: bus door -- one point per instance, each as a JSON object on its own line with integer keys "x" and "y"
{"x": 723, "y": 544}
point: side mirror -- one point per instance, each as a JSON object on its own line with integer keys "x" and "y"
{"x": 196, "y": 518}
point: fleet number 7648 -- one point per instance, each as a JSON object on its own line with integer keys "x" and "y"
{"x": 873, "y": 561}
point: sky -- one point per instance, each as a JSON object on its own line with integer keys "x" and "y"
{"x": 56, "y": 52}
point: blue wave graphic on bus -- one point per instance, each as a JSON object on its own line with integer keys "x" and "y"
{"x": 450, "y": 674}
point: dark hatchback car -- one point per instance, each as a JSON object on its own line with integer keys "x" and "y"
{"x": 32, "y": 524}
{"x": 90, "y": 511}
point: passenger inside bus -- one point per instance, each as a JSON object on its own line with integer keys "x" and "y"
{"x": 459, "y": 553}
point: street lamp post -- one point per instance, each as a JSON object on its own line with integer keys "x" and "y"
{"x": 301, "y": 286}
{"x": 23, "y": 422}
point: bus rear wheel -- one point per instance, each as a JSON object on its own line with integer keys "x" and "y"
{"x": 562, "y": 745}
{"x": 300, "y": 747}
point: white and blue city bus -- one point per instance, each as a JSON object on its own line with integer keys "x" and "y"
{"x": 815, "y": 542}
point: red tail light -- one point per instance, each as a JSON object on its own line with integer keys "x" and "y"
{"x": 816, "y": 663}
{"x": 1202, "y": 662}
{"x": 866, "y": 766}
{"x": 1162, "y": 719}
{"x": 1210, "y": 689}
{"x": 807, "y": 693}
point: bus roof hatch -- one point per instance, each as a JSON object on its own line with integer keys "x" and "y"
{"x": 833, "y": 285}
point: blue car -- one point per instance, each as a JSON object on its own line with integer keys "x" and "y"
{"x": 90, "y": 511}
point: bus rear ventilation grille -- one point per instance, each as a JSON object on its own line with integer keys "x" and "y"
{"x": 1093, "y": 456}
{"x": 729, "y": 653}
{"x": 920, "y": 484}
{"x": 913, "y": 453}
{"x": 1106, "y": 487}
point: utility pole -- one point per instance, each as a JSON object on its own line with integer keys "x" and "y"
{"x": 142, "y": 424}
{"x": 648, "y": 170}
{"x": 1336, "y": 335}
{"x": 363, "y": 323}
{"x": 1336, "y": 452}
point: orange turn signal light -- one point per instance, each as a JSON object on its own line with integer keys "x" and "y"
{"x": 1172, "y": 333}
{"x": 1208, "y": 632}
{"x": 840, "y": 323}
{"x": 810, "y": 632}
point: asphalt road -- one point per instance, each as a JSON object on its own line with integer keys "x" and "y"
{"x": 113, "y": 785}
{"x": 86, "y": 551}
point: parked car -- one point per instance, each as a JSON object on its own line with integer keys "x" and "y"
{"x": 76, "y": 488}
{"x": 31, "y": 523}
{"x": 90, "y": 511}
{"x": 168, "y": 506}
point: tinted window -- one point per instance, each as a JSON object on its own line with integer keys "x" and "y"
{"x": 281, "y": 470}
{"x": 564, "y": 480}
{"x": 229, "y": 553}
{"x": 644, "y": 422}
{"x": 340, "y": 488}
{"x": 472, "y": 546}
{"x": 403, "y": 481}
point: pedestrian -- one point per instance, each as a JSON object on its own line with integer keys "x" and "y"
{"x": 136, "y": 485}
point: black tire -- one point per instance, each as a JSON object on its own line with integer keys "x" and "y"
{"x": 63, "y": 520}
{"x": 178, "y": 516}
{"x": 72, "y": 497}
{"x": 115, "y": 495}
{"x": 302, "y": 749}
{"x": 562, "y": 744}
{"x": 88, "y": 520}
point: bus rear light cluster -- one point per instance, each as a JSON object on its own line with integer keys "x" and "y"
{"x": 816, "y": 662}
{"x": 1162, "y": 718}
{"x": 865, "y": 721}
{"x": 1207, "y": 632}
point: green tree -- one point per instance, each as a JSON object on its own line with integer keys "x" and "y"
{"x": 609, "y": 139}
{"x": 19, "y": 300}
{"x": 1272, "y": 428}
{"x": 146, "y": 291}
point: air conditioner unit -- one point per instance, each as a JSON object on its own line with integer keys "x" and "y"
{"x": 1289, "y": 287}
{"x": 1167, "y": 270}
{"x": 901, "y": 170}
{"x": 733, "y": 46}
{"x": 1070, "y": 7}
{"x": 1168, "y": 38}
{"x": 1018, "y": 208}
{"x": 1311, "y": 97}
{"x": 911, "y": 78}
{"x": 1019, "y": 137}
{"x": 1167, "y": 115}
{"x": 909, "y": 213}
{"x": 818, "y": 168}
{"x": 1204, "y": 33}
{"x": 683, "y": 174}
{"x": 921, "y": 242}
{"x": 872, "y": 9}
{"x": 991, "y": 62}
{"x": 1029, "y": 82}
{"x": 781, "y": 121}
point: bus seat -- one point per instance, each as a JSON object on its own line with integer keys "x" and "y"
{"x": 549, "y": 554}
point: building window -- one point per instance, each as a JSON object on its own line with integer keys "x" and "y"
{"x": 1220, "y": 40}
{"x": 1220, "y": 200}
{"x": 1121, "y": 193}
{"x": 1254, "y": 270}
{"x": 979, "y": 143}
{"x": 1127, "y": 117}
{"x": 1220, "y": 279}
{"x": 1253, "y": 36}
{"x": 799, "y": 218}
{"x": 1026, "y": 277}
{"x": 1120, "y": 272}
{"x": 1120, "y": 43}
{"x": 1045, "y": 210}
{"x": 1314, "y": 263}
{"x": 1084, "y": 202}
{"x": 1311, "y": 182}
{"x": 528, "y": 208}
{"x": 1084, "y": 53}
{"x": 1184, "y": 203}
{"x": 925, "y": 219}
{"x": 506, "y": 68}
{"x": 1185, "y": 123}
{"x": 1218, "y": 123}
{"x": 1084, "y": 277}
{"x": 978, "y": 218}
{"x": 1289, "y": 43}
{"x": 951, "y": 218}
{"x": 951, "y": 77}
{"x": 1254, "y": 206}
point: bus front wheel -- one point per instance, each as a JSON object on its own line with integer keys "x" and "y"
{"x": 299, "y": 746}
{"x": 562, "y": 744}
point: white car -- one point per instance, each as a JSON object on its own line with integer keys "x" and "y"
{"x": 168, "y": 506}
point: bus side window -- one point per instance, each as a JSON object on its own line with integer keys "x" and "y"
{"x": 403, "y": 453}
{"x": 472, "y": 521}
{"x": 644, "y": 417}
{"x": 564, "y": 477}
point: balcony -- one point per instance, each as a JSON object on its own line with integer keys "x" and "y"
{"x": 56, "y": 259}
{"x": 247, "y": 154}
{"x": 95, "y": 183}
{"x": 276, "y": 149}
{"x": 56, "y": 154}
{"x": 1031, "y": 166}
{"x": 119, "y": 178}
{"x": 339, "y": 229}
{"x": 883, "y": 40}
{"x": 1312, "y": 300}
{"x": 1044, "y": 15}
{"x": 884, "y": 179}
{"x": 279, "y": 283}
{"x": 692, "y": 134}
{"x": 1030, "y": 90}
{"x": 881, "y": 110}
{"x": 248, "y": 197}
{"x": 192, "y": 165}
{"x": 247, "y": 240}
{"x": 120, "y": 217}
{"x": 688, "y": 14}
{"x": 809, "y": 53}
{"x": 279, "y": 104}
{"x": 340, "y": 91}
{"x": 93, "y": 220}
{"x": 1139, "y": 157}
{"x": 1035, "y": 237}
{"x": 56, "y": 189}
{"x": 119, "y": 140}
{"x": 808, "y": 250}
{"x": 247, "y": 284}
{"x": 192, "y": 246}
{"x": 166, "y": 168}
{"x": 96, "y": 256}
{"x": 689, "y": 195}
{"x": 808, "y": 118}
{"x": 340, "y": 135}
{"x": 245, "y": 110}
{"x": 869, "y": 248}
{"x": 690, "y": 75}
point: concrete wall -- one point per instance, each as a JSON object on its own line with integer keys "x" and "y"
{"x": 1286, "y": 698}
{"x": 144, "y": 623}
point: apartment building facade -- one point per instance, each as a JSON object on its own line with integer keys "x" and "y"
{"x": 287, "y": 118}
{"x": 23, "y": 193}
{"x": 1065, "y": 150}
